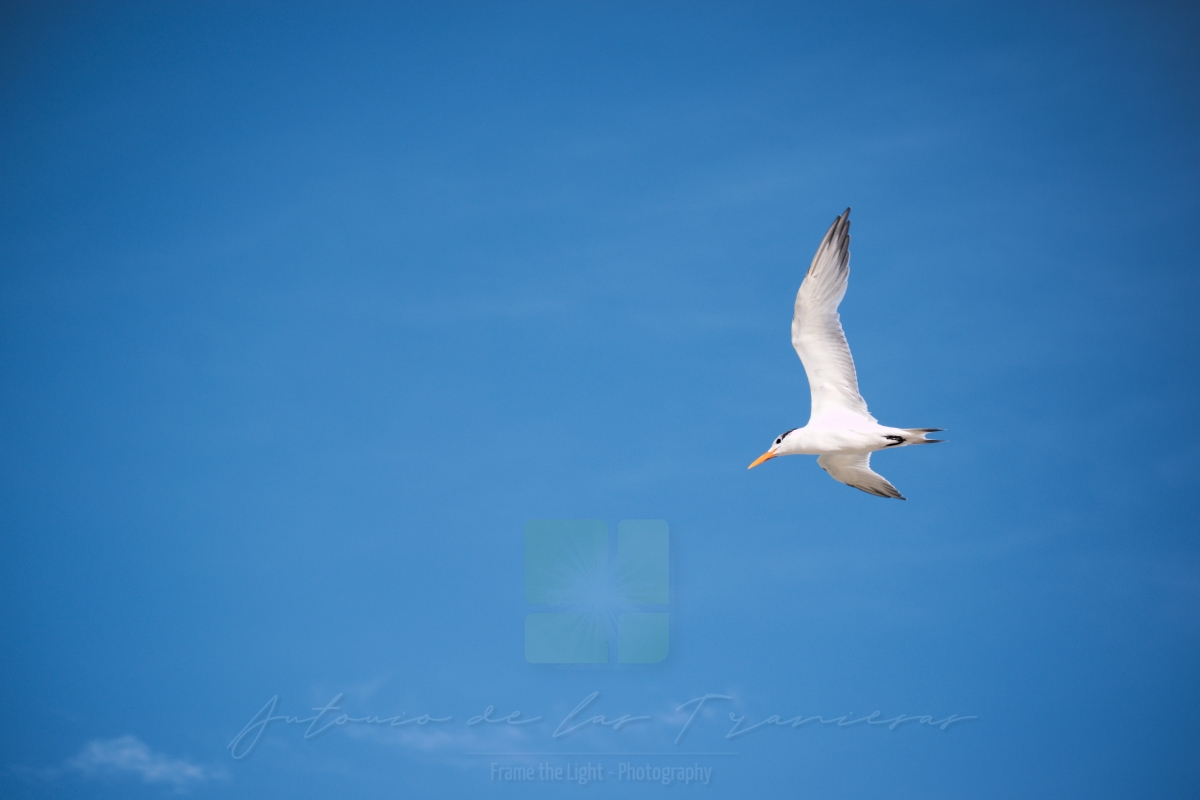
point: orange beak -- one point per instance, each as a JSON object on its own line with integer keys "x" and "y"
{"x": 767, "y": 456}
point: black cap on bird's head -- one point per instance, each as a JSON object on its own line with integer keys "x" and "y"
{"x": 783, "y": 436}
{"x": 767, "y": 456}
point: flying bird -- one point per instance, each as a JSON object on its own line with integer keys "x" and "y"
{"x": 840, "y": 430}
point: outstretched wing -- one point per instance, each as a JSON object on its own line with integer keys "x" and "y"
{"x": 855, "y": 470}
{"x": 817, "y": 329}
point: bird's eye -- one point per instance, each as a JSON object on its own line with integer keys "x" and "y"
{"x": 780, "y": 439}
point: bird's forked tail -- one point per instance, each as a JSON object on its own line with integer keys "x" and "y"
{"x": 921, "y": 437}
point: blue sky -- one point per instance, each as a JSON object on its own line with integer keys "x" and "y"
{"x": 305, "y": 311}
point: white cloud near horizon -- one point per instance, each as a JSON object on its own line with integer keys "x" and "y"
{"x": 130, "y": 755}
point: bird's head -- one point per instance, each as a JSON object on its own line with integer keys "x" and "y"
{"x": 773, "y": 451}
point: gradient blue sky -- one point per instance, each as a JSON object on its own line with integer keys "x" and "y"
{"x": 307, "y": 309}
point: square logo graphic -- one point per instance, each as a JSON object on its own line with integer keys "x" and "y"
{"x": 600, "y": 603}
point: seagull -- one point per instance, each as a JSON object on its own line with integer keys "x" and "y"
{"x": 840, "y": 430}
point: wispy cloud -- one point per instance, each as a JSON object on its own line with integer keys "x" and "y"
{"x": 131, "y": 756}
